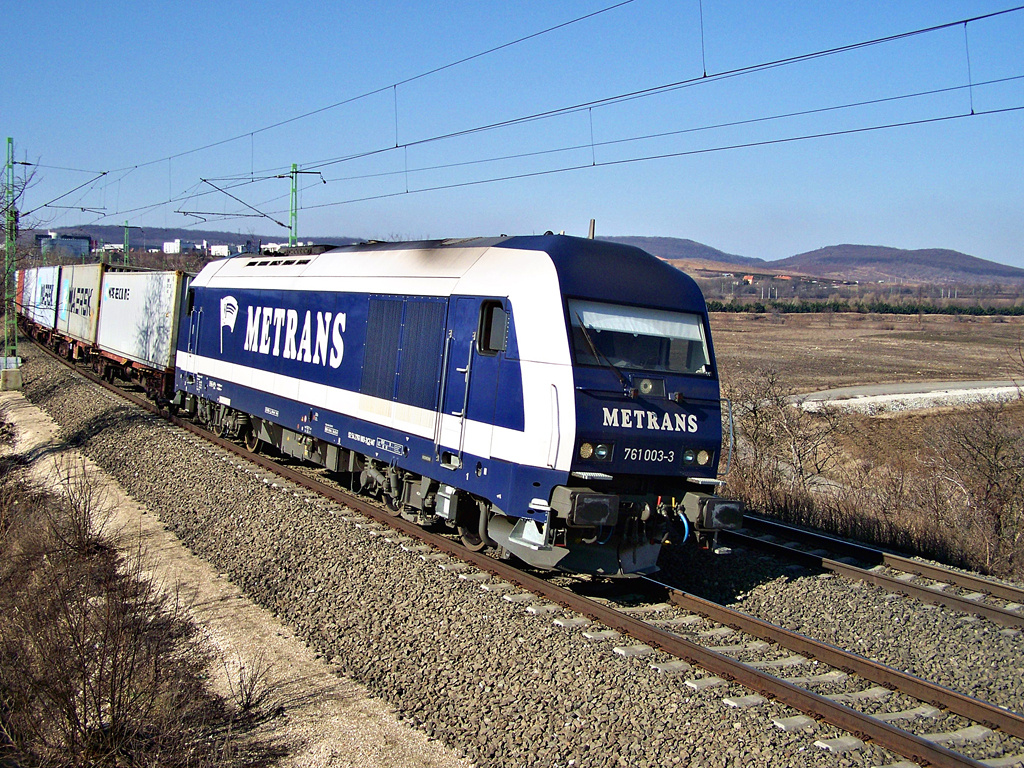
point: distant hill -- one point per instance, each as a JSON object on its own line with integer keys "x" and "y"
{"x": 674, "y": 249}
{"x": 871, "y": 263}
{"x": 864, "y": 263}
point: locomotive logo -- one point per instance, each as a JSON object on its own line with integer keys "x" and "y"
{"x": 635, "y": 418}
{"x": 228, "y": 315}
{"x": 318, "y": 341}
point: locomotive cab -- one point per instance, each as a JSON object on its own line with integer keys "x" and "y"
{"x": 649, "y": 436}
{"x": 647, "y": 417}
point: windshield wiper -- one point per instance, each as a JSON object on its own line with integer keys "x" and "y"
{"x": 599, "y": 355}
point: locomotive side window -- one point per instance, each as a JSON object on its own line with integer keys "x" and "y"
{"x": 492, "y": 334}
{"x": 191, "y": 301}
{"x": 638, "y": 338}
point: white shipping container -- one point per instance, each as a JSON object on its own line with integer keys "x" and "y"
{"x": 139, "y": 313}
{"x": 77, "y": 312}
{"x": 26, "y": 290}
{"x": 41, "y": 306}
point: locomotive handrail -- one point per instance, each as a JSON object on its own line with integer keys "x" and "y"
{"x": 732, "y": 438}
{"x": 440, "y": 402}
{"x": 465, "y": 397}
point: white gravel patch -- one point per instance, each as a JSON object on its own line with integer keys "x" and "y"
{"x": 875, "y": 405}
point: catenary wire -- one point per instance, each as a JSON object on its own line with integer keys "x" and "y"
{"x": 681, "y": 153}
{"x": 642, "y": 93}
{"x": 382, "y": 89}
{"x": 681, "y": 131}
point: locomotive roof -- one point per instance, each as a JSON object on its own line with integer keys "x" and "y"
{"x": 596, "y": 269}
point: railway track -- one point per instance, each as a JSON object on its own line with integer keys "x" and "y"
{"x": 1000, "y": 603}
{"x": 716, "y": 662}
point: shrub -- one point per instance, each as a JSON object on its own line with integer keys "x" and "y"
{"x": 956, "y": 495}
{"x": 99, "y": 665}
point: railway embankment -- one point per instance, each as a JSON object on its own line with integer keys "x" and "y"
{"x": 476, "y": 671}
{"x": 304, "y": 714}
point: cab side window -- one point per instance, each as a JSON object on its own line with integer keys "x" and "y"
{"x": 492, "y": 334}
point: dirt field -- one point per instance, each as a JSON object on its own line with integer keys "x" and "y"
{"x": 941, "y": 482}
{"x": 816, "y": 352}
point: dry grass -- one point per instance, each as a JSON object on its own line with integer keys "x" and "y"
{"x": 948, "y": 485}
{"x": 99, "y": 666}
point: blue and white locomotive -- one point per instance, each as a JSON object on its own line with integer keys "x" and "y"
{"x": 551, "y": 396}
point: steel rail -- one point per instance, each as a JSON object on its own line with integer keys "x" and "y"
{"x": 861, "y": 725}
{"x": 896, "y": 562}
{"x": 973, "y": 709}
{"x": 923, "y": 593}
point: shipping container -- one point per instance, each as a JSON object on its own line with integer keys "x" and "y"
{"x": 41, "y": 303}
{"x": 139, "y": 313}
{"x": 78, "y": 310}
{"x": 19, "y": 292}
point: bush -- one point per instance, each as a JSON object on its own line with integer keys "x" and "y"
{"x": 956, "y": 494}
{"x": 99, "y": 666}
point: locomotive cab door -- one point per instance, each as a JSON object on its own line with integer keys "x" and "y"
{"x": 477, "y": 336}
{"x": 195, "y": 316}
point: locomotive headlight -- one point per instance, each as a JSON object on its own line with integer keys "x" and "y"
{"x": 689, "y": 456}
{"x": 703, "y": 457}
{"x": 586, "y": 451}
{"x": 646, "y": 386}
{"x": 603, "y": 452}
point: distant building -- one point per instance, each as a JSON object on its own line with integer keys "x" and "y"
{"x": 52, "y": 243}
{"x": 221, "y": 251}
{"x": 181, "y": 246}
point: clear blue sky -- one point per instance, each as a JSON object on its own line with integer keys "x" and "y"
{"x": 111, "y": 86}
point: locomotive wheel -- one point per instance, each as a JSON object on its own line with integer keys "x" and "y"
{"x": 391, "y": 505}
{"x": 471, "y": 540}
{"x": 470, "y": 535}
{"x": 251, "y": 440}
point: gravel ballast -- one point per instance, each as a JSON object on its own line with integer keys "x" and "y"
{"x": 477, "y": 672}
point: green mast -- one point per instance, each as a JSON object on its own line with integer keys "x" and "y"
{"x": 10, "y": 375}
{"x": 11, "y": 233}
{"x": 293, "y": 221}
{"x": 293, "y": 224}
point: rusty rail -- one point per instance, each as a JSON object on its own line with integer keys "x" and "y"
{"x": 877, "y": 556}
{"x": 923, "y": 593}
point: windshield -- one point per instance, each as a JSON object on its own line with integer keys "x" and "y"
{"x": 638, "y": 338}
